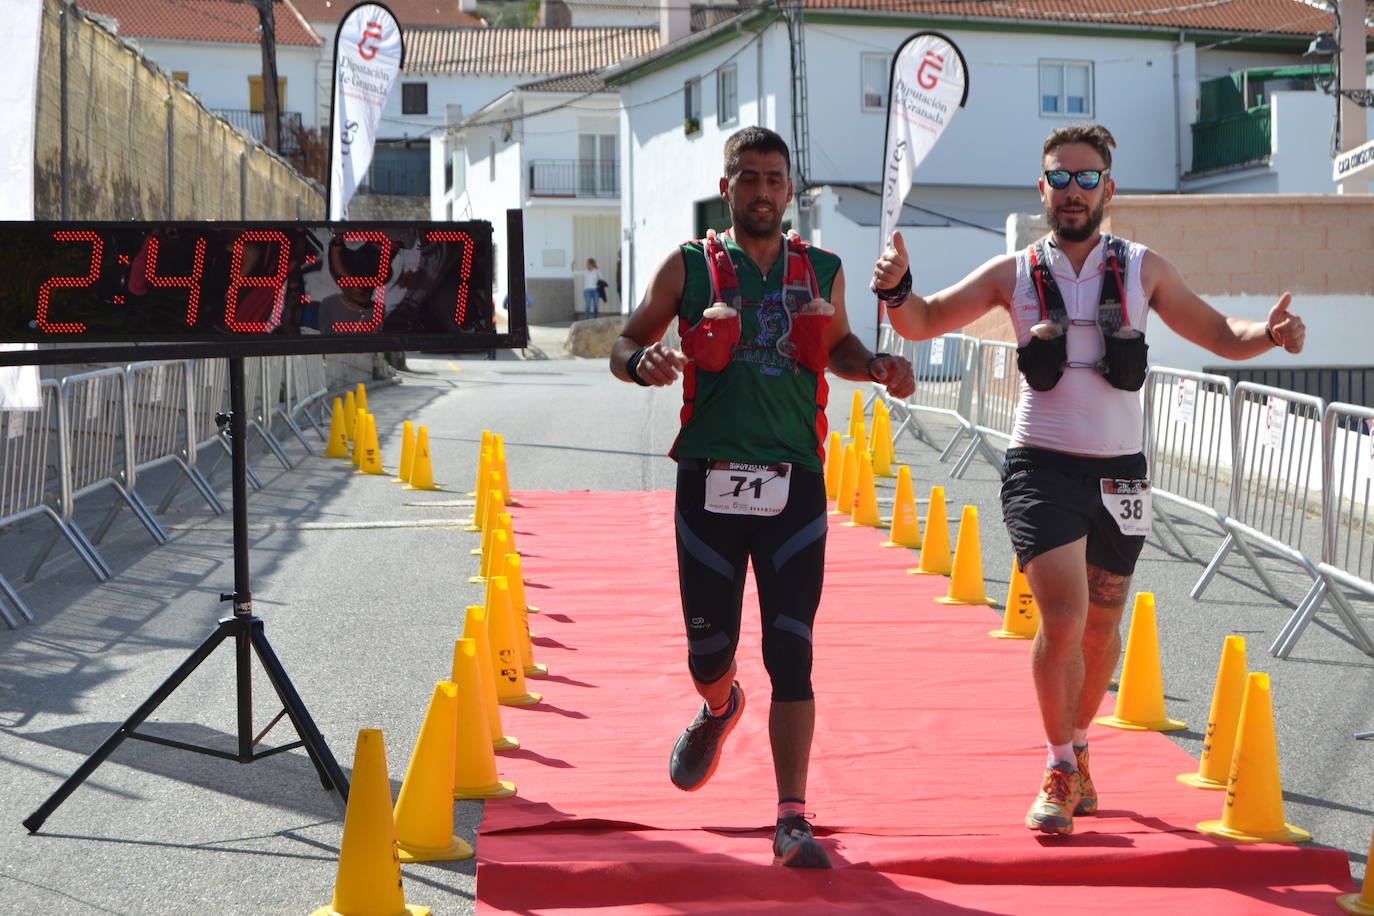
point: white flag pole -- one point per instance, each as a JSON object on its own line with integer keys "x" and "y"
{"x": 929, "y": 83}
{"x": 368, "y": 53}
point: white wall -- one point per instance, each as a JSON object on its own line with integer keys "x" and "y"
{"x": 218, "y": 73}
{"x": 1339, "y": 329}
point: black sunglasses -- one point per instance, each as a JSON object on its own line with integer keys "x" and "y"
{"x": 1087, "y": 178}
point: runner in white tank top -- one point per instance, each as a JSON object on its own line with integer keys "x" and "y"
{"x": 1077, "y": 445}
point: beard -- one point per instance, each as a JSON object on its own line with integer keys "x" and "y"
{"x": 1083, "y": 232}
{"x": 759, "y": 227}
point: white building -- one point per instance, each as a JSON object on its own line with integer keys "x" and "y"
{"x": 1142, "y": 76}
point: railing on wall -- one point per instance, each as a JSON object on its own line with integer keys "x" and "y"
{"x": 574, "y": 178}
{"x": 1231, "y": 139}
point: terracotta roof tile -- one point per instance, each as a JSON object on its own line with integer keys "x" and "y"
{"x": 571, "y": 82}
{"x": 201, "y": 20}
{"x": 409, "y": 13}
{"x": 554, "y": 51}
{"x": 1281, "y": 17}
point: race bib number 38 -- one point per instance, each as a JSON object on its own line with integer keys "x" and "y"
{"x": 747, "y": 489}
{"x": 1128, "y": 502}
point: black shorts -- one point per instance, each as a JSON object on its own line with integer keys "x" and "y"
{"x": 1050, "y": 499}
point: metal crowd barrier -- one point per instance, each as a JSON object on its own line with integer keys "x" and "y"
{"x": 998, "y": 391}
{"x": 1277, "y": 467}
{"x": 1347, "y": 558}
{"x": 944, "y": 366}
{"x": 1188, "y": 444}
{"x": 27, "y": 482}
{"x": 102, "y": 429}
{"x": 96, "y": 452}
{"x": 160, "y": 409}
{"x": 1268, "y": 466}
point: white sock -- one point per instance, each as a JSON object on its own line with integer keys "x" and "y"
{"x": 1061, "y": 753}
{"x": 1080, "y": 737}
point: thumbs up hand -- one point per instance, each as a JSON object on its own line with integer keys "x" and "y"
{"x": 892, "y": 264}
{"x": 1285, "y": 328}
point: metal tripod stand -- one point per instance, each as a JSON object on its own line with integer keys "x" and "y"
{"x": 248, "y": 637}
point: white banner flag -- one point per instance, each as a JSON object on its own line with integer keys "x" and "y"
{"x": 19, "y": 101}
{"x": 929, "y": 82}
{"x": 368, "y": 52}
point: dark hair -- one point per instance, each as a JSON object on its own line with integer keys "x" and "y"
{"x": 756, "y": 140}
{"x": 1095, "y": 135}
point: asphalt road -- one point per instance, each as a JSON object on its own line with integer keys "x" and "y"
{"x": 361, "y": 586}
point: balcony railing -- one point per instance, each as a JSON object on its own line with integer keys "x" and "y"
{"x": 1231, "y": 139}
{"x": 574, "y": 177}
{"x": 253, "y": 123}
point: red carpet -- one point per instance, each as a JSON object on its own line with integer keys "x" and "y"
{"x": 927, "y": 753}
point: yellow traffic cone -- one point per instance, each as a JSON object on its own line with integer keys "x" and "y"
{"x": 359, "y": 436}
{"x": 474, "y": 764}
{"x": 860, "y": 436}
{"x": 421, "y": 474}
{"x": 1254, "y": 796}
{"x": 483, "y": 459}
{"x": 834, "y": 463}
{"x": 498, "y": 548}
{"x": 1140, "y": 698}
{"x": 479, "y": 520}
{"x": 935, "y": 560}
{"x": 866, "y": 497}
{"x": 1361, "y": 904}
{"x": 424, "y": 807}
{"x": 881, "y": 442}
{"x": 498, "y": 464}
{"x": 906, "y": 525}
{"x": 849, "y": 482}
{"x": 370, "y": 461}
{"x": 350, "y": 409}
{"x": 1214, "y": 767}
{"x": 517, "y": 585}
{"x": 856, "y": 413}
{"x": 510, "y": 569}
{"x": 489, "y": 523}
{"x": 369, "y": 876}
{"x": 407, "y": 452}
{"x": 475, "y": 628}
{"x": 361, "y": 398}
{"x": 505, "y": 649}
{"x": 338, "y": 433}
{"x": 1021, "y": 618}
{"x": 966, "y": 584}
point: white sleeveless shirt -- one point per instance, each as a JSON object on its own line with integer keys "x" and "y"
{"x": 1082, "y": 414}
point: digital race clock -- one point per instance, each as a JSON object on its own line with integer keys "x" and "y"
{"x": 164, "y": 289}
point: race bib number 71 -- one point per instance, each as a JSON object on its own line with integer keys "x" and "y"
{"x": 733, "y": 488}
{"x": 1128, "y": 501}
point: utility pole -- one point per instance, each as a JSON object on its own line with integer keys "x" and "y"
{"x": 271, "y": 105}
{"x": 1350, "y": 35}
{"x": 801, "y": 119}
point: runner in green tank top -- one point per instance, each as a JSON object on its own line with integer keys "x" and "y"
{"x": 761, "y": 319}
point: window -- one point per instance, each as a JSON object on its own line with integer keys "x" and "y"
{"x": 597, "y": 165}
{"x": 415, "y": 98}
{"x": 1066, "y": 88}
{"x": 874, "y": 80}
{"x": 255, "y": 93}
{"x": 691, "y": 106}
{"x": 727, "y": 95}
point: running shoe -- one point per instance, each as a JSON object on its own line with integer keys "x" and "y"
{"x": 1054, "y": 806}
{"x": 698, "y": 749}
{"x": 1088, "y": 803}
{"x": 795, "y": 847}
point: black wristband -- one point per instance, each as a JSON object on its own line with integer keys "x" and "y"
{"x": 1268, "y": 332}
{"x": 632, "y": 363}
{"x": 871, "y": 360}
{"x": 897, "y": 293}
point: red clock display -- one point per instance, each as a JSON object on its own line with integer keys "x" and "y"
{"x": 335, "y": 286}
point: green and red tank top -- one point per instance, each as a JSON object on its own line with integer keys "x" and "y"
{"x": 764, "y": 407}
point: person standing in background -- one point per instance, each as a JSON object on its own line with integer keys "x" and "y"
{"x": 591, "y": 296}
